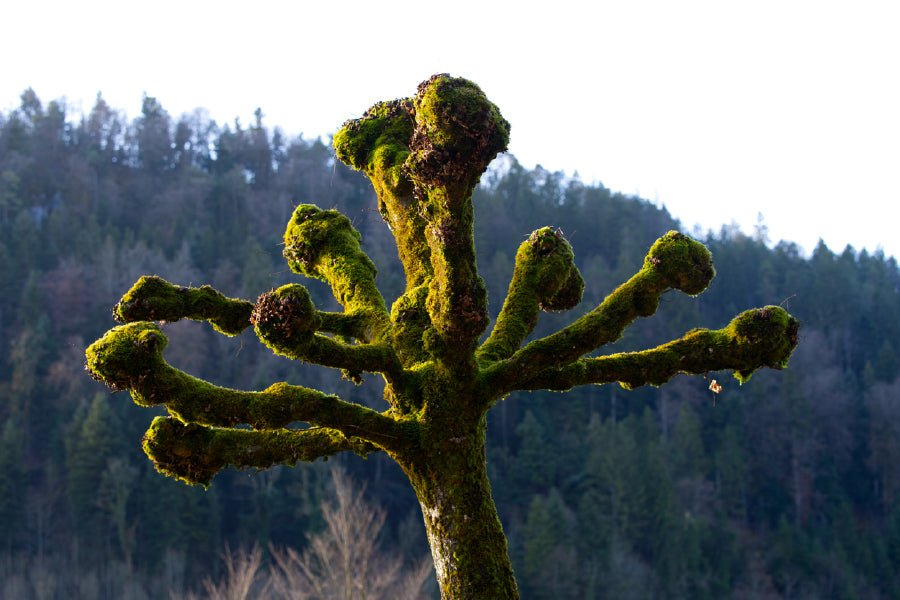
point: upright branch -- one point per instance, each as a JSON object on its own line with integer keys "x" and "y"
{"x": 424, "y": 156}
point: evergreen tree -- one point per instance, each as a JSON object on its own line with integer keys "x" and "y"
{"x": 90, "y": 447}
{"x": 12, "y": 485}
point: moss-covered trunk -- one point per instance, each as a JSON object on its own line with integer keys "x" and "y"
{"x": 467, "y": 542}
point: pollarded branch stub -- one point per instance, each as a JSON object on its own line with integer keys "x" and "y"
{"x": 770, "y": 331}
{"x": 558, "y": 284}
{"x": 458, "y": 132}
{"x": 286, "y": 321}
{"x": 683, "y": 263}
{"x": 126, "y": 355}
{"x": 285, "y": 316}
{"x": 153, "y": 298}
{"x": 378, "y": 144}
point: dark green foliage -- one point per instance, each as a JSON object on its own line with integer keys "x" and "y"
{"x": 83, "y": 209}
{"x": 12, "y": 486}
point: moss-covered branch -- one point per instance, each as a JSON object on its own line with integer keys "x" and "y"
{"x": 457, "y": 134}
{"x": 674, "y": 261}
{"x": 194, "y": 454}
{"x": 424, "y": 156}
{"x": 323, "y": 244}
{"x": 153, "y": 298}
{"x": 545, "y": 278}
{"x": 763, "y": 337}
{"x": 286, "y": 321}
{"x": 378, "y": 145}
{"x": 130, "y": 357}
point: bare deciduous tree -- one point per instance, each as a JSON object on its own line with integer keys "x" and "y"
{"x": 345, "y": 561}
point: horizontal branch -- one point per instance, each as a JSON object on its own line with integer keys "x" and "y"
{"x": 153, "y": 298}
{"x": 195, "y": 454}
{"x": 130, "y": 357}
{"x": 763, "y": 337}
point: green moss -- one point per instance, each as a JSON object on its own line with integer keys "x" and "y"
{"x": 410, "y": 320}
{"x": 681, "y": 262}
{"x": 194, "y": 454}
{"x": 323, "y": 244}
{"x": 458, "y": 130}
{"x": 771, "y": 331}
{"x": 379, "y": 141}
{"x": 153, "y": 298}
{"x": 545, "y": 278}
{"x": 126, "y": 355}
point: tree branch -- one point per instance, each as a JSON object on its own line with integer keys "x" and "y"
{"x": 674, "y": 261}
{"x": 286, "y": 321}
{"x": 762, "y": 337}
{"x": 153, "y": 298}
{"x": 378, "y": 145}
{"x": 545, "y": 278}
{"x": 323, "y": 244}
{"x": 195, "y": 454}
{"x": 130, "y": 357}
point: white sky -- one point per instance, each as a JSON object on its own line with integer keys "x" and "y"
{"x": 718, "y": 110}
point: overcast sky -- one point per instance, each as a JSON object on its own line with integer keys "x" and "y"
{"x": 718, "y": 110}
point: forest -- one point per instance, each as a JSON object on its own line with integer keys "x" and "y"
{"x": 787, "y": 486}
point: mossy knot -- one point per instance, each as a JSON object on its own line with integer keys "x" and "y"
{"x": 126, "y": 355}
{"x": 312, "y": 233}
{"x": 558, "y": 285}
{"x": 771, "y": 331}
{"x": 287, "y": 313}
{"x": 378, "y": 143}
{"x": 682, "y": 263}
{"x": 181, "y": 451}
{"x": 458, "y": 132}
{"x": 446, "y": 134}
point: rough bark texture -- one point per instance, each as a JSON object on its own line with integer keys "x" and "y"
{"x": 424, "y": 156}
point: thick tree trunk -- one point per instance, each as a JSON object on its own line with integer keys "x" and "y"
{"x": 467, "y": 542}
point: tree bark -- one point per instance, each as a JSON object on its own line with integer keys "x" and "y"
{"x": 468, "y": 546}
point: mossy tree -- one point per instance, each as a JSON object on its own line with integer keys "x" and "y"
{"x": 424, "y": 156}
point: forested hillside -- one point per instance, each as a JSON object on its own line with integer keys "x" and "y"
{"x": 785, "y": 487}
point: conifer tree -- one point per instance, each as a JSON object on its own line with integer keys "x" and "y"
{"x": 424, "y": 156}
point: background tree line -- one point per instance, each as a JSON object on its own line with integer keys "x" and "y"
{"x": 787, "y": 487}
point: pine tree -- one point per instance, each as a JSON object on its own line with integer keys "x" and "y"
{"x": 424, "y": 155}
{"x": 12, "y": 484}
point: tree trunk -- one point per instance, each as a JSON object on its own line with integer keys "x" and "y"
{"x": 467, "y": 542}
